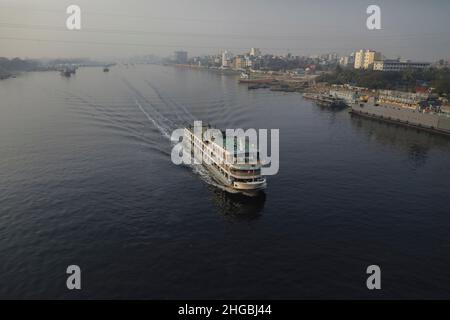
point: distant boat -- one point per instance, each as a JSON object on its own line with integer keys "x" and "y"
{"x": 67, "y": 71}
{"x": 326, "y": 100}
{"x": 5, "y": 76}
{"x": 105, "y": 69}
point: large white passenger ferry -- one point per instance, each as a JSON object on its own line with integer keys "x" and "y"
{"x": 239, "y": 171}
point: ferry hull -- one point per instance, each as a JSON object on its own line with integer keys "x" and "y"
{"x": 249, "y": 189}
{"x": 254, "y": 188}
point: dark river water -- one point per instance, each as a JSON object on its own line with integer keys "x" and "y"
{"x": 86, "y": 179}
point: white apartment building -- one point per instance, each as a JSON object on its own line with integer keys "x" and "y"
{"x": 255, "y": 52}
{"x": 364, "y": 59}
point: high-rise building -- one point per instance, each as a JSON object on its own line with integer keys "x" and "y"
{"x": 239, "y": 62}
{"x": 255, "y": 52}
{"x": 181, "y": 57}
{"x": 370, "y": 58}
{"x": 226, "y": 59}
{"x": 332, "y": 56}
{"x": 248, "y": 61}
{"x": 364, "y": 59}
{"x": 347, "y": 61}
{"x": 359, "y": 58}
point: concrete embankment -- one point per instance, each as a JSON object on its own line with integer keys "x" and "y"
{"x": 427, "y": 121}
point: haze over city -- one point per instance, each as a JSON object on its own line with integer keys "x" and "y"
{"x": 415, "y": 30}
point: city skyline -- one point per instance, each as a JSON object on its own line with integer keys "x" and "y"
{"x": 110, "y": 29}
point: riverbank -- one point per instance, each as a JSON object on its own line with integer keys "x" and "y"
{"x": 216, "y": 70}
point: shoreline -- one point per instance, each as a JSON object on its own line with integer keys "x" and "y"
{"x": 216, "y": 70}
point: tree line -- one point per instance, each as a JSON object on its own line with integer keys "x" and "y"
{"x": 406, "y": 80}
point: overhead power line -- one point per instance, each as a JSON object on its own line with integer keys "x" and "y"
{"x": 173, "y": 45}
{"x": 209, "y": 35}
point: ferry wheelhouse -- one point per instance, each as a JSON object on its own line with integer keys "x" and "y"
{"x": 238, "y": 170}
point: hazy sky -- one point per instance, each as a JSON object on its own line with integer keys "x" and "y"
{"x": 413, "y": 29}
